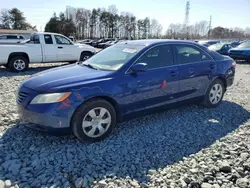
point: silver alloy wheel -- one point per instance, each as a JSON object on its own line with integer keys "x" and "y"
{"x": 215, "y": 94}
{"x": 19, "y": 64}
{"x": 96, "y": 122}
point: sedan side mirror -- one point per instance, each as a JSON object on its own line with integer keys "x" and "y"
{"x": 139, "y": 67}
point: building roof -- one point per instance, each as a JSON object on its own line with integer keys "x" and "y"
{"x": 13, "y": 31}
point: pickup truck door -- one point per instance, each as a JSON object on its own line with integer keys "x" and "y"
{"x": 33, "y": 48}
{"x": 49, "y": 49}
{"x": 66, "y": 50}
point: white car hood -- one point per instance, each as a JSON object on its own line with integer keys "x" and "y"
{"x": 86, "y": 47}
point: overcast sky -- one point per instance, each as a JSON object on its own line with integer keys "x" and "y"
{"x": 226, "y": 13}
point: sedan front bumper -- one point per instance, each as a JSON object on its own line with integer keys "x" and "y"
{"x": 44, "y": 122}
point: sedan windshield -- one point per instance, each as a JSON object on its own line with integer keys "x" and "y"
{"x": 244, "y": 45}
{"x": 216, "y": 46}
{"x": 114, "y": 57}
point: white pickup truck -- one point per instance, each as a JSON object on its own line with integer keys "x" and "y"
{"x": 42, "y": 48}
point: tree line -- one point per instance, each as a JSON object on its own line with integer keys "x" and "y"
{"x": 14, "y": 19}
{"x": 102, "y": 23}
{"x": 110, "y": 23}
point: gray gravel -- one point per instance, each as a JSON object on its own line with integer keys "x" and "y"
{"x": 187, "y": 147}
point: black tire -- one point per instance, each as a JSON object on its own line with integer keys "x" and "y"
{"x": 207, "y": 102}
{"x": 85, "y": 56}
{"x": 6, "y": 66}
{"x": 82, "y": 111}
{"x": 12, "y": 65}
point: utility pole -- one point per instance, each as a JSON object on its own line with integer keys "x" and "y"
{"x": 210, "y": 26}
{"x": 186, "y": 20}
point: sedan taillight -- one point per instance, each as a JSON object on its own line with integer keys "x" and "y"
{"x": 234, "y": 64}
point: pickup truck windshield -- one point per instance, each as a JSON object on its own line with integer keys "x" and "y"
{"x": 114, "y": 57}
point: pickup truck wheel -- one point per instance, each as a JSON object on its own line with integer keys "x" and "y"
{"x": 85, "y": 56}
{"x": 18, "y": 64}
{"x": 94, "y": 120}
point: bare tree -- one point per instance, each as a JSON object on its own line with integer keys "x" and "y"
{"x": 113, "y": 10}
{"x": 5, "y": 19}
{"x": 247, "y": 30}
{"x": 204, "y": 27}
{"x": 159, "y": 31}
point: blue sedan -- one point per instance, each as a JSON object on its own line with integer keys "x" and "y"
{"x": 222, "y": 48}
{"x": 89, "y": 98}
{"x": 241, "y": 52}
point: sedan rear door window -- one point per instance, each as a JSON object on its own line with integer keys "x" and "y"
{"x": 189, "y": 54}
{"x": 11, "y": 37}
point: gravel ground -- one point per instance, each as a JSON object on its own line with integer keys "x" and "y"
{"x": 187, "y": 147}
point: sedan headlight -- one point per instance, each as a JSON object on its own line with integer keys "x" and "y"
{"x": 50, "y": 98}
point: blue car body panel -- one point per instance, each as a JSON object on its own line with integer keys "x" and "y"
{"x": 128, "y": 92}
{"x": 240, "y": 53}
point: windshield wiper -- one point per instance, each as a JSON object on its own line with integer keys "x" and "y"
{"x": 90, "y": 66}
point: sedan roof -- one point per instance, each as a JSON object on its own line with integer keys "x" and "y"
{"x": 147, "y": 42}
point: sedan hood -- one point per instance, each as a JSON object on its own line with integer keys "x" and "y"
{"x": 61, "y": 77}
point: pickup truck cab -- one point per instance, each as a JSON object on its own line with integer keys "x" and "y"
{"x": 42, "y": 48}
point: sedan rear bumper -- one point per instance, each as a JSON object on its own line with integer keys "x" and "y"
{"x": 239, "y": 57}
{"x": 230, "y": 81}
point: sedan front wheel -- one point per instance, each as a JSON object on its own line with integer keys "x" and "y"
{"x": 94, "y": 120}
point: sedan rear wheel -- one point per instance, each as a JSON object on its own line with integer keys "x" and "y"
{"x": 94, "y": 120}
{"x": 214, "y": 94}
